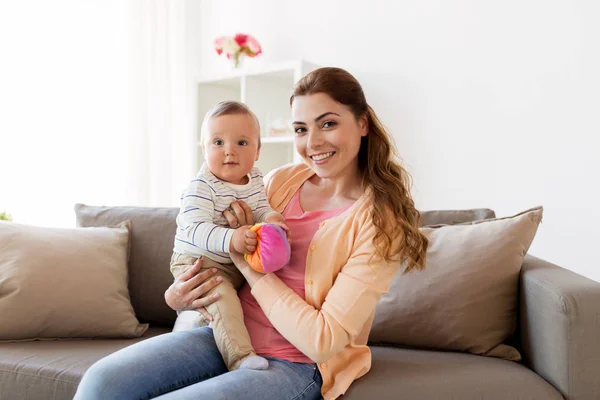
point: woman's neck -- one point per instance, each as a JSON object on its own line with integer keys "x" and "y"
{"x": 347, "y": 185}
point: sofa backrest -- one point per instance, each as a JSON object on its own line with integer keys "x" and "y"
{"x": 152, "y": 236}
{"x": 453, "y": 217}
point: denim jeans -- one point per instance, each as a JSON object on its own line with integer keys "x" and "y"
{"x": 188, "y": 365}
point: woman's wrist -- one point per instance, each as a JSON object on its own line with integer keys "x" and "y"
{"x": 252, "y": 276}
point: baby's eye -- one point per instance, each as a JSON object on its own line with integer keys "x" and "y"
{"x": 243, "y": 143}
{"x": 219, "y": 142}
{"x": 329, "y": 124}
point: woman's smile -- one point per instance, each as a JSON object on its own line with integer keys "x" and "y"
{"x": 322, "y": 158}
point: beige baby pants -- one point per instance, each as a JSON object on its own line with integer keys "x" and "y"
{"x": 230, "y": 333}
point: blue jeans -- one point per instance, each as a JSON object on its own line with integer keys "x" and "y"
{"x": 188, "y": 365}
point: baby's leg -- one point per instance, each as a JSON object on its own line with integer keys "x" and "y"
{"x": 188, "y": 319}
{"x": 229, "y": 330}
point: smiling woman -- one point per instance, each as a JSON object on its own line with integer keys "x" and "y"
{"x": 307, "y": 322}
{"x": 342, "y": 140}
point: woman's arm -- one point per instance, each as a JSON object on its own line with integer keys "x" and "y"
{"x": 321, "y": 333}
{"x": 251, "y": 275}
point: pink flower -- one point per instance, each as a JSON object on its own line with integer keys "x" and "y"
{"x": 241, "y": 38}
{"x": 219, "y": 44}
{"x": 237, "y": 46}
{"x": 253, "y": 46}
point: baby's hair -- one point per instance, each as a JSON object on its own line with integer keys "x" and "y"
{"x": 227, "y": 108}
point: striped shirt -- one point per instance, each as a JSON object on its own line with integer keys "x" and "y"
{"x": 202, "y": 230}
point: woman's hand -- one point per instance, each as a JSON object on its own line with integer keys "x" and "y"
{"x": 241, "y": 215}
{"x": 251, "y": 275}
{"x": 188, "y": 292}
{"x": 277, "y": 219}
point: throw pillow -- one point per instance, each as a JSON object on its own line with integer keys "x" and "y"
{"x": 65, "y": 283}
{"x": 466, "y": 297}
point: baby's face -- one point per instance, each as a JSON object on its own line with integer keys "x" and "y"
{"x": 231, "y": 147}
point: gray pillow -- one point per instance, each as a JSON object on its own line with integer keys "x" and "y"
{"x": 65, "y": 283}
{"x": 466, "y": 297}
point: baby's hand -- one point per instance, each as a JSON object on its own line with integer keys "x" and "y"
{"x": 244, "y": 240}
{"x": 277, "y": 219}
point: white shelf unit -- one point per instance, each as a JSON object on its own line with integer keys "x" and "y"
{"x": 267, "y": 92}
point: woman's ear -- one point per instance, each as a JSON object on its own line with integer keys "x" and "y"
{"x": 363, "y": 123}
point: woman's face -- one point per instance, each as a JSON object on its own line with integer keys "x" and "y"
{"x": 327, "y": 135}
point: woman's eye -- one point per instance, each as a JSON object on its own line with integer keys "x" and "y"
{"x": 243, "y": 143}
{"x": 329, "y": 124}
{"x": 218, "y": 142}
{"x": 299, "y": 130}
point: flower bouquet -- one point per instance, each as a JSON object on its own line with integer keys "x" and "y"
{"x": 237, "y": 47}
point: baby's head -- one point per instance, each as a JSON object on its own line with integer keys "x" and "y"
{"x": 230, "y": 139}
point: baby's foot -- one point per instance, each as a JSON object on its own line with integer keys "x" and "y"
{"x": 254, "y": 362}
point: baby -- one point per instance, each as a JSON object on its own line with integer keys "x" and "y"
{"x": 231, "y": 144}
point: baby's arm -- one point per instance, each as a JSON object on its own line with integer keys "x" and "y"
{"x": 244, "y": 240}
{"x": 195, "y": 220}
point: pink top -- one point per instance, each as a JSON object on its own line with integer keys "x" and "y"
{"x": 266, "y": 340}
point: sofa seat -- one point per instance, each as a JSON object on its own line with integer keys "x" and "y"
{"x": 409, "y": 374}
{"x": 52, "y": 369}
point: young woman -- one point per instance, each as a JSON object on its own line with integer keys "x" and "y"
{"x": 353, "y": 226}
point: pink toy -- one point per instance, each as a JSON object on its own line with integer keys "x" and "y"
{"x": 273, "y": 250}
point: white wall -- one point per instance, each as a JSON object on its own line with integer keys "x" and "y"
{"x": 95, "y": 105}
{"x": 492, "y": 104}
{"x": 63, "y": 107}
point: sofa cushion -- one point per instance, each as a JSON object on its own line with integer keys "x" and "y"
{"x": 466, "y": 297}
{"x": 453, "y": 217}
{"x": 51, "y": 370}
{"x": 65, "y": 283}
{"x": 152, "y": 236}
{"x": 419, "y": 374}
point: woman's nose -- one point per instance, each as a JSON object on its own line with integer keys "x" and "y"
{"x": 315, "y": 139}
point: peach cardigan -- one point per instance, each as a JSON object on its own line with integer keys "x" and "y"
{"x": 344, "y": 280}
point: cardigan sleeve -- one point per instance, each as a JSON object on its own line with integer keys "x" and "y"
{"x": 321, "y": 333}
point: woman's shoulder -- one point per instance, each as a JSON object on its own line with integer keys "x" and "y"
{"x": 289, "y": 169}
{"x": 282, "y": 183}
{"x": 288, "y": 174}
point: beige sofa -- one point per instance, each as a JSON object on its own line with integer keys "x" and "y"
{"x": 558, "y": 335}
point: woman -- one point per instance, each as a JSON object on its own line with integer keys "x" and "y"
{"x": 352, "y": 223}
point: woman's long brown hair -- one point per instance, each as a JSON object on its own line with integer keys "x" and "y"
{"x": 394, "y": 214}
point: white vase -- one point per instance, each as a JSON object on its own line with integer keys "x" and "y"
{"x": 237, "y": 61}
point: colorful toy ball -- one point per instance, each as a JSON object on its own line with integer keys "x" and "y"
{"x": 273, "y": 250}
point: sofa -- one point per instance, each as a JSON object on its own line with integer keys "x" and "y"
{"x": 558, "y": 332}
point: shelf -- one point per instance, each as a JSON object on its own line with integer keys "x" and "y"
{"x": 277, "y": 139}
{"x": 279, "y": 69}
{"x": 266, "y": 90}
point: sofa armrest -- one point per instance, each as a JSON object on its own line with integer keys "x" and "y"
{"x": 560, "y": 327}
